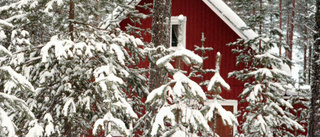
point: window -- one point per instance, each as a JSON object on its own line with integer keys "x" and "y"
{"x": 178, "y": 23}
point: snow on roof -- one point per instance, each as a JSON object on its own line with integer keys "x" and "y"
{"x": 230, "y": 18}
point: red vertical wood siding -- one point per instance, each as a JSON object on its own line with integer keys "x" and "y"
{"x": 200, "y": 18}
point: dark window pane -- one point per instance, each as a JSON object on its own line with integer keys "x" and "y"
{"x": 174, "y": 35}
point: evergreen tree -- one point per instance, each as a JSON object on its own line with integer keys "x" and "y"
{"x": 285, "y": 14}
{"x": 178, "y": 101}
{"x": 199, "y": 71}
{"x": 83, "y": 68}
{"x": 266, "y": 78}
{"x": 215, "y": 108}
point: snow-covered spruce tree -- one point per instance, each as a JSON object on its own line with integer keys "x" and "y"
{"x": 89, "y": 78}
{"x": 214, "y": 108}
{"x": 14, "y": 112}
{"x": 177, "y": 103}
{"x": 21, "y": 14}
{"x": 267, "y": 77}
{"x": 86, "y": 81}
{"x": 72, "y": 68}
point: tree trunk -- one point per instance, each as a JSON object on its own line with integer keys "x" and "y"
{"x": 260, "y": 24}
{"x": 290, "y": 33}
{"x": 306, "y": 43}
{"x": 71, "y": 18}
{"x": 160, "y": 36}
{"x": 305, "y": 49}
{"x": 314, "y": 120}
{"x": 68, "y": 125}
{"x": 310, "y": 63}
{"x": 280, "y": 25}
{"x": 254, "y": 12}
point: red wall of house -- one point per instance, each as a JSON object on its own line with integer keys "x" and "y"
{"x": 200, "y": 18}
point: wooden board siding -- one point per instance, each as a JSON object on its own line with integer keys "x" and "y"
{"x": 200, "y": 18}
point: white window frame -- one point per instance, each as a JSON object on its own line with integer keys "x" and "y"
{"x": 175, "y": 21}
{"x": 233, "y": 103}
